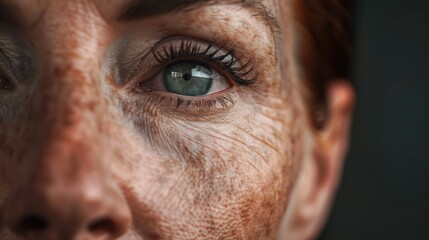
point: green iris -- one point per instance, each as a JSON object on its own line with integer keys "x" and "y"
{"x": 188, "y": 78}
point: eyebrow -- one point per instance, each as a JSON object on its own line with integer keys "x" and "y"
{"x": 139, "y": 9}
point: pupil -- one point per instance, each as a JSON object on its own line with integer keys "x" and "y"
{"x": 187, "y": 77}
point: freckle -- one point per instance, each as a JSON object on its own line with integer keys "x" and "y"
{"x": 91, "y": 106}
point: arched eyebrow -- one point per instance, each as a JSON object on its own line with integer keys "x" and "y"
{"x": 139, "y": 9}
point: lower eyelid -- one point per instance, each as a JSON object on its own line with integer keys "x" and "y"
{"x": 186, "y": 107}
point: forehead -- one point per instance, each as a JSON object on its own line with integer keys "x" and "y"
{"x": 28, "y": 12}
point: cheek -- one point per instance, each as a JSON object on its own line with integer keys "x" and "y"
{"x": 230, "y": 180}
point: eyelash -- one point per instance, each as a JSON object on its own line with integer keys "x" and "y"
{"x": 210, "y": 54}
{"x": 240, "y": 71}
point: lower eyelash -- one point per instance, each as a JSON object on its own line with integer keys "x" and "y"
{"x": 222, "y": 102}
{"x": 201, "y": 106}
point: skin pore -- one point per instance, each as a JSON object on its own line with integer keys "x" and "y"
{"x": 93, "y": 146}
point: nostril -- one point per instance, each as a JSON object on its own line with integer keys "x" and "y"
{"x": 102, "y": 226}
{"x": 32, "y": 223}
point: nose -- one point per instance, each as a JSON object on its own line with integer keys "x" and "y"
{"x": 88, "y": 210}
{"x": 66, "y": 192}
{"x": 66, "y": 187}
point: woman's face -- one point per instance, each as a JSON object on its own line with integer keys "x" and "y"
{"x": 156, "y": 119}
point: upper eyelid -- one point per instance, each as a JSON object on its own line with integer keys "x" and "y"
{"x": 208, "y": 51}
{"x": 239, "y": 67}
{"x": 158, "y": 45}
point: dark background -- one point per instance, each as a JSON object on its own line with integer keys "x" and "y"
{"x": 385, "y": 189}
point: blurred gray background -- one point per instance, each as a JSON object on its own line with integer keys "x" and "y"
{"x": 385, "y": 189}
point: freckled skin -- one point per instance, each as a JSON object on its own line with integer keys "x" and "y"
{"x": 79, "y": 145}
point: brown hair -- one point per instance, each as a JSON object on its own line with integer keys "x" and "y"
{"x": 325, "y": 48}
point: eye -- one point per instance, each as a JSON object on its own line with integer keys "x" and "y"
{"x": 5, "y": 84}
{"x": 188, "y": 78}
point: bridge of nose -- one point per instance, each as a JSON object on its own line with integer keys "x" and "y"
{"x": 69, "y": 106}
{"x": 67, "y": 180}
